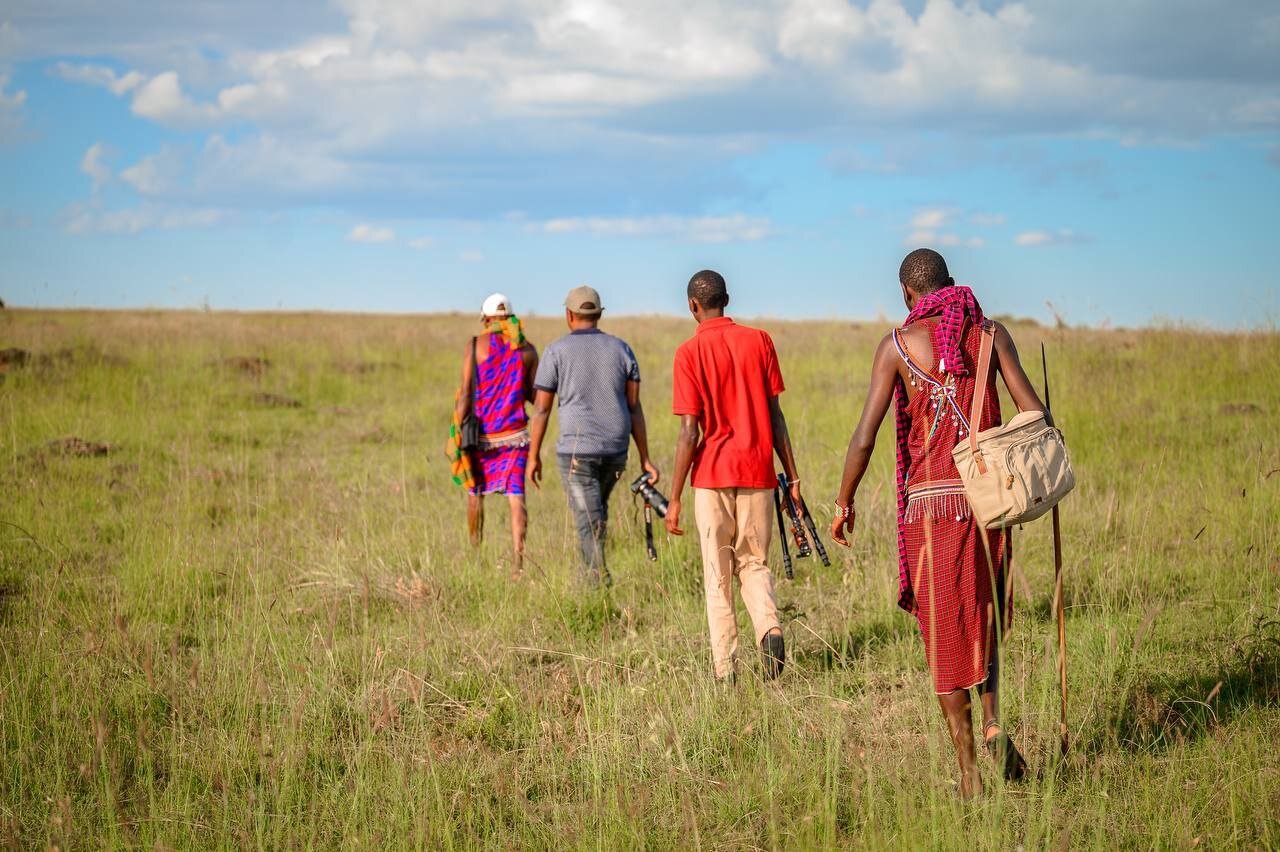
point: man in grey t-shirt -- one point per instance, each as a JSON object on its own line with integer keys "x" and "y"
{"x": 598, "y": 381}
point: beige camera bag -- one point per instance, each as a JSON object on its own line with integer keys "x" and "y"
{"x": 1012, "y": 473}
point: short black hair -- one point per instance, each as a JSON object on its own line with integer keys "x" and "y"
{"x": 707, "y": 288}
{"x": 923, "y": 271}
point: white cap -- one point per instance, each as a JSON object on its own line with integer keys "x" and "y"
{"x": 497, "y": 305}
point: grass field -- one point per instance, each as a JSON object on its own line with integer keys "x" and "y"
{"x": 254, "y": 619}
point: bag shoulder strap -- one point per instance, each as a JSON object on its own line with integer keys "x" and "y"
{"x": 475, "y": 376}
{"x": 980, "y": 391}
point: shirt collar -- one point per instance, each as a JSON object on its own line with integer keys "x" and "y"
{"x": 718, "y": 322}
{"x": 586, "y": 331}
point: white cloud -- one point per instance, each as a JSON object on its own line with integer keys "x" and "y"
{"x": 10, "y": 101}
{"x": 1059, "y": 237}
{"x": 157, "y": 174}
{"x": 737, "y": 227}
{"x": 10, "y": 108}
{"x": 952, "y": 240}
{"x": 923, "y": 238}
{"x": 366, "y": 233}
{"x": 93, "y": 164}
{"x": 987, "y": 220}
{"x": 432, "y": 98}
{"x": 820, "y": 31}
{"x": 834, "y": 61}
{"x": 471, "y": 256}
{"x": 421, "y": 243}
{"x": 930, "y": 218}
{"x": 927, "y": 224}
{"x": 99, "y": 75}
{"x": 93, "y": 219}
{"x": 162, "y": 99}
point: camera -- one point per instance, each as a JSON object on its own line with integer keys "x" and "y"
{"x": 653, "y": 502}
{"x": 651, "y": 496}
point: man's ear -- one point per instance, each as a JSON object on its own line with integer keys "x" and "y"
{"x": 951, "y": 282}
{"x": 726, "y": 302}
{"x": 908, "y": 298}
{"x": 568, "y": 317}
{"x": 694, "y": 307}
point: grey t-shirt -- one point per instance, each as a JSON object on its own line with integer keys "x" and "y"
{"x": 589, "y": 370}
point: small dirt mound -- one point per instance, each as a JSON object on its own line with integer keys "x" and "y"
{"x": 275, "y": 400}
{"x": 1240, "y": 408}
{"x": 73, "y": 446}
{"x": 14, "y": 357}
{"x": 247, "y": 365}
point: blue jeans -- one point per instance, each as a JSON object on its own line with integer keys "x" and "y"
{"x": 588, "y": 482}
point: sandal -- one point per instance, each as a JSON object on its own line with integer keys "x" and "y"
{"x": 1005, "y": 754}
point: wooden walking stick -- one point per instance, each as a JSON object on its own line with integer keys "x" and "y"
{"x": 1058, "y": 606}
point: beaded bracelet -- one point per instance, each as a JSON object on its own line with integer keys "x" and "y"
{"x": 843, "y": 512}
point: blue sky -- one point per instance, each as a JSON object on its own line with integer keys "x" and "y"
{"x": 1120, "y": 160}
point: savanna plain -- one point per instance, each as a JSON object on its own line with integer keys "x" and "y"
{"x": 238, "y": 608}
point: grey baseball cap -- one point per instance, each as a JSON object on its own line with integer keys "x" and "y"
{"x": 585, "y": 301}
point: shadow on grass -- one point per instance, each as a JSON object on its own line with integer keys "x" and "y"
{"x": 10, "y": 590}
{"x": 842, "y": 651}
{"x": 588, "y": 617}
{"x": 1159, "y": 713}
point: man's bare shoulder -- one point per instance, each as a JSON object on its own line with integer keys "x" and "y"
{"x": 917, "y": 334}
{"x": 886, "y": 356}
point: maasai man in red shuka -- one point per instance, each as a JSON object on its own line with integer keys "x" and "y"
{"x": 949, "y": 570}
{"x": 505, "y": 363}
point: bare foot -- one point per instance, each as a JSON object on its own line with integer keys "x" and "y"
{"x": 970, "y": 785}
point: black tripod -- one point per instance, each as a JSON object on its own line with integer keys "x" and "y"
{"x": 802, "y": 527}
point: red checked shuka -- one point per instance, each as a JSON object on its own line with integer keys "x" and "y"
{"x": 952, "y": 570}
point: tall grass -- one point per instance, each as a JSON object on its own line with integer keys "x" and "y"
{"x": 250, "y": 624}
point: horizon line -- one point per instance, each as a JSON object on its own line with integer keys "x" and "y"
{"x": 1270, "y": 326}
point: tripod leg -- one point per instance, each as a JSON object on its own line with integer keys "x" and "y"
{"x": 782, "y": 534}
{"x": 648, "y": 534}
{"x": 813, "y": 534}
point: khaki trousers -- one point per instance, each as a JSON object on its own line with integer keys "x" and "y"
{"x": 734, "y": 527}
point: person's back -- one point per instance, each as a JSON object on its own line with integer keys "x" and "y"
{"x": 497, "y": 373}
{"x": 725, "y": 375}
{"x": 950, "y": 569}
{"x": 588, "y": 370}
{"x": 936, "y": 429}
{"x": 725, "y": 388}
{"x": 500, "y": 393}
{"x": 597, "y": 379}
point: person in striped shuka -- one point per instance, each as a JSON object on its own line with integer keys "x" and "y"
{"x": 951, "y": 572}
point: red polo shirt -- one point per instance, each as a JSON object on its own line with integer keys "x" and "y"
{"x": 724, "y": 376}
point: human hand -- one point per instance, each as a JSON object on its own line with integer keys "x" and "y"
{"x": 535, "y": 472}
{"x": 795, "y": 494}
{"x": 673, "y": 516}
{"x": 842, "y": 524}
{"x": 651, "y": 469}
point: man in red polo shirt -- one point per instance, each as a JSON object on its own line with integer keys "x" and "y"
{"x": 726, "y": 388}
